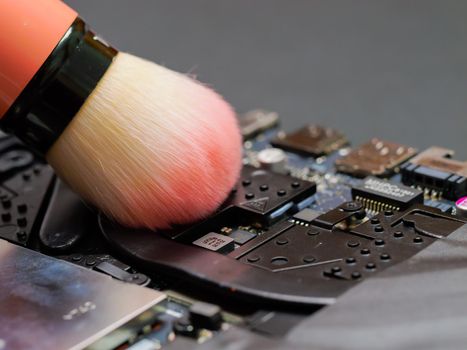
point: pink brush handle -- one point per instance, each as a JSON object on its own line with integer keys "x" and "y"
{"x": 29, "y": 31}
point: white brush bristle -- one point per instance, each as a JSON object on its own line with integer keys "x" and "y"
{"x": 150, "y": 147}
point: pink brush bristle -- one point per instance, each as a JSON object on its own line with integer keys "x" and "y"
{"x": 150, "y": 147}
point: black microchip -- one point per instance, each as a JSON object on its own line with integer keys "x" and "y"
{"x": 242, "y": 236}
{"x": 306, "y": 215}
{"x": 378, "y": 194}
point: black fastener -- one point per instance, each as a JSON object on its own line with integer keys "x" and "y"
{"x": 379, "y": 228}
{"x": 352, "y": 206}
{"x": 22, "y": 222}
{"x": 253, "y": 258}
{"x": 249, "y": 195}
{"x": 22, "y": 208}
{"x": 379, "y": 242}
{"x": 309, "y": 259}
{"x": 312, "y": 232}
{"x": 353, "y": 244}
{"x": 282, "y": 241}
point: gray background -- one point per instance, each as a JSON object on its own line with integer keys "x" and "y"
{"x": 393, "y": 69}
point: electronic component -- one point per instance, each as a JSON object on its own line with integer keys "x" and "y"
{"x": 311, "y": 140}
{"x": 326, "y": 249}
{"x": 273, "y": 159}
{"x": 376, "y": 157}
{"x": 284, "y": 240}
{"x": 256, "y": 121}
{"x": 205, "y": 315}
{"x": 21, "y": 197}
{"x": 215, "y": 242}
{"x": 305, "y": 216}
{"x": 40, "y": 293}
{"x": 461, "y": 207}
{"x": 309, "y": 262}
{"x": 120, "y": 274}
{"x": 267, "y": 196}
{"x": 434, "y": 170}
{"x": 379, "y": 194}
{"x": 242, "y": 236}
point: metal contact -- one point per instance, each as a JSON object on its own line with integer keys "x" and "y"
{"x": 375, "y": 206}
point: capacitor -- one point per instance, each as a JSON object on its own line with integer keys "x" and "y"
{"x": 461, "y": 207}
{"x": 273, "y": 159}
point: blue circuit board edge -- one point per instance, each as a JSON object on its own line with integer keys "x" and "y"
{"x": 334, "y": 188}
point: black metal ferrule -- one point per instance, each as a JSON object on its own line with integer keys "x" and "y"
{"x": 59, "y": 89}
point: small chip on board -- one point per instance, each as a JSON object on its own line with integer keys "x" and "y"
{"x": 311, "y": 140}
{"x": 376, "y": 157}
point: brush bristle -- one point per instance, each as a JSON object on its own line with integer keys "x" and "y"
{"x": 150, "y": 147}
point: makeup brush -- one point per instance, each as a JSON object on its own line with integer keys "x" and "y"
{"x": 148, "y": 146}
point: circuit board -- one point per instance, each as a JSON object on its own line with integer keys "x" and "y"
{"x": 311, "y": 216}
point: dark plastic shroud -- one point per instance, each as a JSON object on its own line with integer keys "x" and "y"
{"x": 288, "y": 264}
